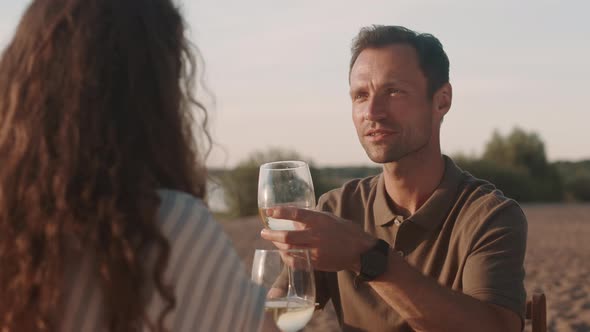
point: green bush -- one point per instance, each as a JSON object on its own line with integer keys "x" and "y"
{"x": 240, "y": 187}
{"x": 576, "y": 177}
{"x": 579, "y": 188}
{"x": 517, "y": 165}
{"x": 518, "y": 149}
{"x": 514, "y": 183}
{"x": 335, "y": 177}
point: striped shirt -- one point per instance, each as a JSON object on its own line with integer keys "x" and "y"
{"x": 212, "y": 290}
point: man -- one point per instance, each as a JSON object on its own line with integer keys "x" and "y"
{"x": 423, "y": 246}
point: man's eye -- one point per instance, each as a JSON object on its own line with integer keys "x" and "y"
{"x": 394, "y": 92}
{"x": 360, "y": 96}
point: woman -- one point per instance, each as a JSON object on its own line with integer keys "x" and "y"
{"x": 101, "y": 222}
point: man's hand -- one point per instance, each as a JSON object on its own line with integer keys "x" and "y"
{"x": 335, "y": 244}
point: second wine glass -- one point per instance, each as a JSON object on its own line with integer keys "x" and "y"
{"x": 288, "y": 277}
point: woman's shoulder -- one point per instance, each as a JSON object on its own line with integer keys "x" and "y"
{"x": 180, "y": 212}
{"x": 175, "y": 203}
{"x": 210, "y": 280}
{"x": 172, "y": 197}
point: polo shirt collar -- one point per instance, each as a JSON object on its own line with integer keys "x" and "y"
{"x": 382, "y": 213}
{"x": 434, "y": 211}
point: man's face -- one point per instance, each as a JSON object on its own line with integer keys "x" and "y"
{"x": 391, "y": 109}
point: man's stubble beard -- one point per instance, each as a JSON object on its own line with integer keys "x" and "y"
{"x": 396, "y": 151}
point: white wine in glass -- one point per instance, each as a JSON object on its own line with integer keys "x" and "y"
{"x": 286, "y": 183}
{"x": 288, "y": 277}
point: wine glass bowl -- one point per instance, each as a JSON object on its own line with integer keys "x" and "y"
{"x": 284, "y": 183}
{"x": 288, "y": 277}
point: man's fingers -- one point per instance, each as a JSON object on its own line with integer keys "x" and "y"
{"x": 293, "y": 213}
{"x": 276, "y": 292}
{"x": 282, "y": 246}
{"x": 300, "y": 238}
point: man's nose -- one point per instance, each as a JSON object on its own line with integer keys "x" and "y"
{"x": 375, "y": 110}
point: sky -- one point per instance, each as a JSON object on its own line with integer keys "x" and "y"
{"x": 278, "y": 71}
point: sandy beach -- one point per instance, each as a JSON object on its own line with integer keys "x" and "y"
{"x": 557, "y": 262}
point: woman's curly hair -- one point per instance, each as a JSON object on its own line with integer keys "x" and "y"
{"x": 95, "y": 115}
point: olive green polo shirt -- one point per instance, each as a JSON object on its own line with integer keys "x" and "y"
{"x": 467, "y": 236}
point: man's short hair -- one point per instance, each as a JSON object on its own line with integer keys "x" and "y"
{"x": 431, "y": 57}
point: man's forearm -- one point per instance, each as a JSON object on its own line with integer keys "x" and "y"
{"x": 428, "y": 306}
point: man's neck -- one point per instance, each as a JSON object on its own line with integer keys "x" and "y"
{"x": 412, "y": 180}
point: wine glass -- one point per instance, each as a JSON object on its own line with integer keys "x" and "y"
{"x": 287, "y": 275}
{"x": 284, "y": 183}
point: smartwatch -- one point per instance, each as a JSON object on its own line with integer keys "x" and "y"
{"x": 373, "y": 262}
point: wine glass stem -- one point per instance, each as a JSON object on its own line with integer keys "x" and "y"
{"x": 290, "y": 289}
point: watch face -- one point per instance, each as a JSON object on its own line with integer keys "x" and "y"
{"x": 373, "y": 264}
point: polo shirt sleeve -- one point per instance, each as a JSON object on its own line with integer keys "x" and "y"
{"x": 494, "y": 269}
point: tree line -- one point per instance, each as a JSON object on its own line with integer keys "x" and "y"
{"x": 516, "y": 163}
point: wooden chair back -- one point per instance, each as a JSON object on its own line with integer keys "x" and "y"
{"x": 536, "y": 312}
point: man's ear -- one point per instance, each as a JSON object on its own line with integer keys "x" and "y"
{"x": 443, "y": 99}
